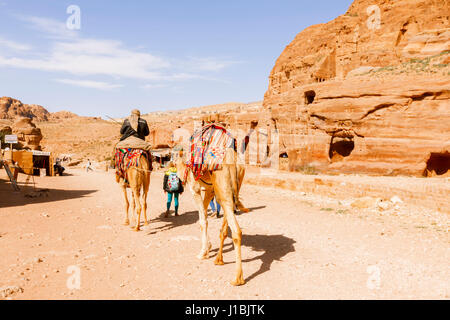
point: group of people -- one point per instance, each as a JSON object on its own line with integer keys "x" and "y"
{"x": 133, "y": 131}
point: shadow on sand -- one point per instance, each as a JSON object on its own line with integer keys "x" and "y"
{"x": 29, "y": 195}
{"x": 251, "y": 210}
{"x": 273, "y": 248}
{"x": 184, "y": 219}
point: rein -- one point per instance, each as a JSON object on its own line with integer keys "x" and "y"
{"x": 186, "y": 172}
{"x": 209, "y": 184}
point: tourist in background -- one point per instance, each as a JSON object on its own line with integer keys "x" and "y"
{"x": 215, "y": 207}
{"x": 89, "y": 166}
{"x": 173, "y": 187}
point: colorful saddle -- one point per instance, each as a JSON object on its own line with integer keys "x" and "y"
{"x": 208, "y": 148}
{"x": 126, "y": 158}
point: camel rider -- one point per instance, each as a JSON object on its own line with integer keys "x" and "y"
{"x": 133, "y": 131}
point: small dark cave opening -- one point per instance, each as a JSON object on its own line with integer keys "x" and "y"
{"x": 437, "y": 164}
{"x": 310, "y": 96}
{"x": 340, "y": 148}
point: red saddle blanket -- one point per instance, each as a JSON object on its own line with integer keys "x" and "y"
{"x": 208, "y": 148}
{"x": 126, "y": 158}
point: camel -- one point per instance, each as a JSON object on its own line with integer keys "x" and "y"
{"x": 225, "y": 185}
{"x": 138, "y": 180}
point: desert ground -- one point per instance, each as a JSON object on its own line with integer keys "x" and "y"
{"x": 296, "y": 245}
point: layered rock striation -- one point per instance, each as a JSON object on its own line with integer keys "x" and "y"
{"x": 367, "y": 92}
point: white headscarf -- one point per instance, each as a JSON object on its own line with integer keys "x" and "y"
{"x": 134, "y": 119}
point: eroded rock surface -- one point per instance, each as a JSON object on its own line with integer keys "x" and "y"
{"x": 357, "y": 96}
{"x": 28, "y": 135}
{"x": 11, "y": 109}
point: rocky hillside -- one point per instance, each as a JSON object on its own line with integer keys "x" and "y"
{"x": 366, "y": 95}
{"x": 12, "y": 109}
{"x": 406, "y": 29}
{"x": 95, "y": 138}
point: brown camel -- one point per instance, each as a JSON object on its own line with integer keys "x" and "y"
{"x": 138, "y": 179}
{"x": 224, "y": 184}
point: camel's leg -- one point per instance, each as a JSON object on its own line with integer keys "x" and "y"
{"x": 144, "y": 197}
{"x": 223, "y": 191}
{"x": 241, "y": 174}
{"x": 127, "y": 205}
{"x": 223, "y": 236}
{"x": 133, "y": 207}
{"x": 137, "y": 201}
{"x": 241, "y": 207}
{"x": 237, "y": 239}
{"x": 202, "y": 213}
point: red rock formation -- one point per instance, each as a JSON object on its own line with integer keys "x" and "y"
{"x": 11, "y": 108}
{"x": 5, "y": 129}
{"x": 390, "y": 115}
{"x": 331, "y": 50}
{"x": 62, "y": 115}
{"x": 29, "y": 136}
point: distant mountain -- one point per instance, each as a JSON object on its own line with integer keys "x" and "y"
{"x": 11, "y": 109}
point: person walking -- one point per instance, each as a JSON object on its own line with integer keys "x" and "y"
{"x": 88, "y": 166}
{"x": 173, "y": 187}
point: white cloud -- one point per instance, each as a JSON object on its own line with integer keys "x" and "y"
{"x": 70, "y": 52}
{"x": 153, "y": 86}
{"x": 90, "y": 84}
{"x": 50, "y": 27}
{"x": 93, "y": 57}
{"x": 16, "y": 46}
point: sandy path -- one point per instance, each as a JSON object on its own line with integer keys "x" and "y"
{"x": 294, "y": 247}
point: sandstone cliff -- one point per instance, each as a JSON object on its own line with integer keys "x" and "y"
{"x": 361, "y": 95}
{"x": 62, "y": 115}
{"x": 28, "y": 135}
{"x": 11, "y": 109}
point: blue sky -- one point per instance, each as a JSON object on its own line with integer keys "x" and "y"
{"x": 154, "y": 55}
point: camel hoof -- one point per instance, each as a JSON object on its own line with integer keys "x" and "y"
{"x": 237, "y": 282}
{"x": 136, "y": 229}
{"x": 146, "y": 223}
{"x": 219, "y": 262}
{"x": 202, "y": 256}
{"x": 126, "y": 223}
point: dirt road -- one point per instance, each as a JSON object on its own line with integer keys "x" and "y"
{"x": 295, "y": 246}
